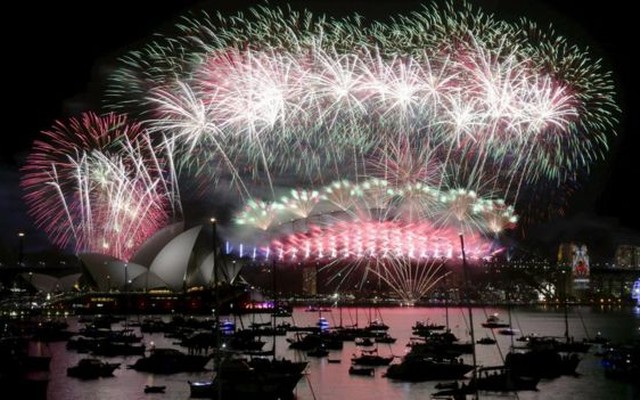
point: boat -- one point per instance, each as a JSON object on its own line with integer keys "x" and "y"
{"x": 154, "y": 389}
{"x": 260, "y": 378}
{"x": 280, "y": 366}
{"x": 256, "y": 325}
{"x": 486, "y": 340}
{"x": 622, "y": 363}
{"x": 422, "y": 326}
{"x": 416, "y": 368}
{"x": 508, "y": 331}
{"x": 447, "y": 385}
{"x": 386, "y": 338}
{"x": 109, "y": 348}
{"x": 377, "y": 325}
{"x": 493, "y": 321}
{"x": 545, "y": 363}
{"x": 243, "y": 340}
{"x": 457, "y": 392}
{"x": 364, "y": 371}
{"x": 313, "y": 340}
{"x": 564, "y": 346}
{"x": 366, "y": 342}
{"x": 92, "y": 368}
{"x": 441, "y": 344}
{"x": 318, "y": 352}
{"x": 371, "y": 358}
{"x": 237, "y": 379}
{"x": 317, "y": 309}
{"x": 488, "y": 379}
{"x": 598, "y": 339}
{"x": 501, "y": 379}
{"x": 526, "y": 338}
{"x": 283, "y": 311}
{"x": 170, "y": 361}
{"x": 202, "y": 389}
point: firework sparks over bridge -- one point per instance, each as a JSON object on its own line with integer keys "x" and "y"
{"x": 384, "y": 140}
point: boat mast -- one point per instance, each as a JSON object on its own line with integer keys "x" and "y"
{"x": 216, "y": 310}
{"x": 275, "y": 307}
{"x": 566, "y": 321}
{"x": 473, "y": 340}
{"x": 318, "y": 304}
{"x": 446, "y": 310}
{"x": 565, "y": 311}
{"x": 509, "y": 314}
{"x": 340, "y": 308}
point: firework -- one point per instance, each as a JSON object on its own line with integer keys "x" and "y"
{"x": 376, "y": 239}
{"x": 411, "y": 280}
{"x": 96, "y": 183}
{"x": 259, "y": 214}
{"x": 288, "y": 85}
{"x": 401, "y": 235}
{"x": 402, "y": 134}
{"x": 339, "y": 194}
{"x": 454, "y": 211}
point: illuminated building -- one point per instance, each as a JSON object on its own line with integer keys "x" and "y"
{"x": 627, "y": 256}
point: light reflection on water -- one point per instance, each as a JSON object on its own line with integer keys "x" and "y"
{"x": 330, "y": 381}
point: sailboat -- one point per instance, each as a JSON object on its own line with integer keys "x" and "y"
{"x": 501, "y": 378}
{"x": 259, "y": 378}
{"x": 496, "y": 378}
{"x": 421, "y": 364}
{"x": 548, "y": 357}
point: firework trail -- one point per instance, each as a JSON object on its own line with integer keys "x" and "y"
{"x": 396, "y": 136}
{"x": 97, "y": 183}
{"x": 509, "y": 99}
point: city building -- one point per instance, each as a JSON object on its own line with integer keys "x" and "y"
{"x": 627, "y": 256}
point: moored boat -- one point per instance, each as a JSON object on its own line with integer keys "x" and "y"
{"x": 493, "y": 321}
{"x": 371, "y": 358}
{"x": 486, "y": 340}
{"x": 237, "y": 379}
{"x": 170, "y": 361}
{"x": 417, "y": 369}
{"x": 154, "y": 389}
{"x": 92, "y": 368}
{"x": 501, "y": 379}
{"x": 364, "y": 371}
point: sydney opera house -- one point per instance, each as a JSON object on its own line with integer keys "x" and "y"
{"x": 172, "y": 262}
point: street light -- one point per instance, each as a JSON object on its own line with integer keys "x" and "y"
{"x": 216, "y": 312}
{"x": 126, "y": 277}
{"x": 214, "y": 245}
{"x": 20, "y": 248}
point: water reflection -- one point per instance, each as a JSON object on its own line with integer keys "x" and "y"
{"x": 331, "y": 380}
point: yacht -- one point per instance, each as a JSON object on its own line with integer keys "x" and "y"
{"x": 92, "y": 368}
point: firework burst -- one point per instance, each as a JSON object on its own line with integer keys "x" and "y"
{"x": 403, "y": 134}
{"x": 97, "y": 183}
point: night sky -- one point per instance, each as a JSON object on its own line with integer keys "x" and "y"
{"x": 56, "y": 57}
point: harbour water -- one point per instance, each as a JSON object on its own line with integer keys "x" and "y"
{"x": 331, "y": 381}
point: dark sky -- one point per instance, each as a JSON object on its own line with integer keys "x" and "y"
{"x": 52, "y": 51}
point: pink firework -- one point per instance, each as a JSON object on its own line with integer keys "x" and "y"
{"x": 360, "y": 240}
{"x": 97, "y": 184}
{"x": 407, "y": 256}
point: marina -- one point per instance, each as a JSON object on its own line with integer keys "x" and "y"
{"x": 325, "y": 379}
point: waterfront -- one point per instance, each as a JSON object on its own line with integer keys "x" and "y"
{"x": 325, "y": 381}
